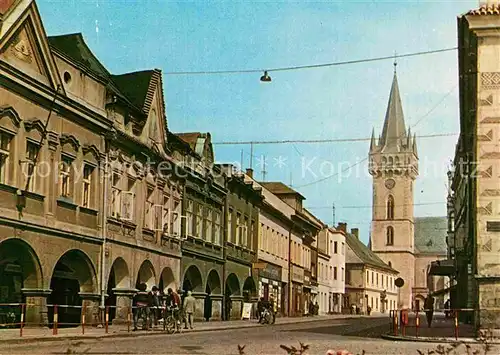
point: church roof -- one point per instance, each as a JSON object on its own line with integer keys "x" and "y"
{"x": 362, "y": 255}
{"x": 430, "y": 235}
{"x": 394, "y": 124}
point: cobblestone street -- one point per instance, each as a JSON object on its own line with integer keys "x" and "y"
{"x": 353, "y": 334}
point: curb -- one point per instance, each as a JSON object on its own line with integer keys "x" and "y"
{"x": 146, "y": 333}
{"x": 435, "y": 340}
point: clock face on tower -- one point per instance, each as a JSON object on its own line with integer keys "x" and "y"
{"x": 390, "y": 183}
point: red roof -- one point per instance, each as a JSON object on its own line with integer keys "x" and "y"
{"x": 486, "y": 9}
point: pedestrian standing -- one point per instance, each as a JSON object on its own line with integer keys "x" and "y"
{"x": 273, "y": 308}
{"x": 189, "y": 309}
{"x": 207, "y": 309}
{"x": 429, "y": 309}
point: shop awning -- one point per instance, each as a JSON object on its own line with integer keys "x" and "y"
{"x": 444, "y": 291}
{"x": 442, "y": 268}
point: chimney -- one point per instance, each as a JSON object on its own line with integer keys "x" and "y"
{"x": 355, "y": 232}
{"x": 250, "y": 173}
{"x": 342, "y": 227}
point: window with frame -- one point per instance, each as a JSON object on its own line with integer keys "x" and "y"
{"x": 390, "y": 207}
{"x": 150, "y": 208}
{"x": 199, "y": 220}
{"x": 175, "y": 217}
{"x": 237, "y": 240}
{"x": 190, "y": 217}
{"x": 335, "y": 247}
{"x": 116, "y": 194}
{"x": 335, "y": 273}
{"x": 252, "y": 235}
{"x": 343, "y": 248}
{"x": 167, "y": 225}
{"x": 217, "y": 228}
{"x": 390, "y": 235}
{"x": 65, "y": 179}
{"x": 373, "y": 278}
{"x": 31, "y": 156}
{"x": 128, "y": 200}
{"x": 5, "y": 139}
{"x": 230, "y": 232}
{"x": 244, "y": 233}
{"x": 208, "y": 224}
{"x": 261, "y": 237}
{"x": 87, "y": 185}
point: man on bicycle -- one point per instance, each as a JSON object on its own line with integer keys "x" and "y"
{"x": 174, "y": 304}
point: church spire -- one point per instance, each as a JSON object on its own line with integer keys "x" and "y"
{"x": 394, "y": 130}
{"x": 373, "y": 143}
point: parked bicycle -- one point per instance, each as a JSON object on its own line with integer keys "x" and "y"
{"x": 170, "y": 320}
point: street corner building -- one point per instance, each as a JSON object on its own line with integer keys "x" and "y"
{"x": 474, "y": 200}
{"x": 369, "y": 281}
{"x": 86, "y": 213}
{"x": 406, "y": 243}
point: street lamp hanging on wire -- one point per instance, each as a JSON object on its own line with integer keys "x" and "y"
{"x": 265, "y": 78}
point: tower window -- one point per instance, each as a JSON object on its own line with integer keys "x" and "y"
{"x": 390, "y": 207}
{"x": 390, "y": 235}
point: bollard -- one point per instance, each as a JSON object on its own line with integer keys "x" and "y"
{"x": 417, "y": 323}
{"x": 107, "y": 318}
{"x": 54, "y": 327}
{"x": 456, "y": 325}
{"x": 84, "y": 309}
{"x": 129, "y": 313}
{"x": 22, "y": 320}
{"x": 395, "y": 323}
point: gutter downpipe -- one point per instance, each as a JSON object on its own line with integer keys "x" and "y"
{"x": 104, "y": 231}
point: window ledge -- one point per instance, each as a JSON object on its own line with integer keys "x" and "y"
{"x": 8, "y": 188}
{"x": 66, "y": 202}
{"x": 34, "y": 195}
{"x": 88, "y": 210}
{"x": 148, "y": 231}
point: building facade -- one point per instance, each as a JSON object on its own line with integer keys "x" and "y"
{"x": 369, "y": 280}
{"x": 241, "y": 242}
{"x": 76, "y": 183}
{"x": 331, "y": 270}
{"x": 475, "y": 180}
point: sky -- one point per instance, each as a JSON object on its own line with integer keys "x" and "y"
{"x": 335, "y": 102}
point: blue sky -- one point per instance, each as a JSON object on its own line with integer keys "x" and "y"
{"x": 327, "y": 103}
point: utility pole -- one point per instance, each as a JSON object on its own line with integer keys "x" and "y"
{"x": 251, "y": 155}
{"x": 264, "y": 171}
{"x": 241, "y": 161}
{"x": 333, "y": 214}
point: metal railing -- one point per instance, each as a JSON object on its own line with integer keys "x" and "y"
{"x": 13, "y": 315}
{"x": 440, "y": 322}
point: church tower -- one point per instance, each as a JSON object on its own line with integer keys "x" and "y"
{"x": 393, "y": 165}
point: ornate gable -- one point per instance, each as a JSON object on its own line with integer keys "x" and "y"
{"x": 24, "y": 46}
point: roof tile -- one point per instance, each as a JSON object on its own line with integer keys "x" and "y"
{"x": 364, "y": 255}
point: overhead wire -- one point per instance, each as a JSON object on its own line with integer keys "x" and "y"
{"x": 310, "y": 66}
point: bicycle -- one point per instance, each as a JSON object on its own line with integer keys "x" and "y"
{"x": 170, "y": 321}
{"x": 143, "y": 314}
